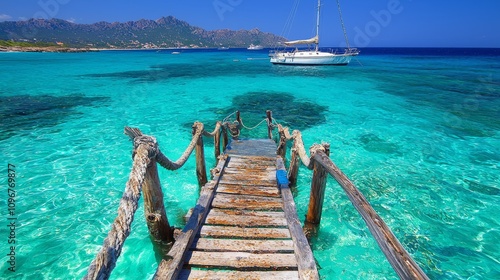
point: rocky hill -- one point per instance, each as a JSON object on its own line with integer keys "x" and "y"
{"x": 162, "y": 33}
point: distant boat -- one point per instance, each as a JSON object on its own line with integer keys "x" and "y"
{"x": 314, "y": 56}
{"x": 253, "y": 47}
{"x": 223, "y": 48}
{"x": 176, "y": 53}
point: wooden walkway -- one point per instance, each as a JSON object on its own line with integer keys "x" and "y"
{"x": 244, "y": 224}
{"x": 251, "y": 230}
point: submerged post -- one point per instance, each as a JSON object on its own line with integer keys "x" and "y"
{"x": 238, "y": 117}
{"x": 201, "y": 170}
{"x": 269, "y": 115}
{"x": 225, "y": 139}
{"x": 318, "y": 185}
{"x": 154, "y": 209}
{"x": 295, "y": 158}
{"x": 234, "y": 128}
{"x": 217, "y": 140}
{"x": 284, "y": 136}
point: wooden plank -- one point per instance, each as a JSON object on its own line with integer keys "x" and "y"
{"x": 239, "y": 232}
{"x": 267, "y": 159}
{"x": 220, "y": 212}
{"x": 188, "y": 274}
{"x": 251, "y": 162}
{"x": 230, "y": 201}
{"x": 235, "y": 158}
{"x": 252, "y": 151}
{"x": 243, "y": 245}
{"x": 249, "y": 190}
{"x": 306, "y": 263}
{"x": 261, "y": 184}
{"x": 249, "y": 182}
{"x": 241, "y": 260}
{"x": 252, "y": 147}
{"x": 245, "y": 220}
{"x": 250, "y": 170}
{"x": 264, "y": 159}
{"x": 264, "y": 176}
{"x": 249, "y": 165}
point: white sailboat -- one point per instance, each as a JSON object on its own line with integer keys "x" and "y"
{"x": 314, "y": 56}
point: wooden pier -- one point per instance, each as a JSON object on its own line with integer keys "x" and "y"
{"x": 247, "y": 234}
{"x": 245, "y": 224}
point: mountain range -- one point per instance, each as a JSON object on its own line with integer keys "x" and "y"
{"x": 166, "y": 32}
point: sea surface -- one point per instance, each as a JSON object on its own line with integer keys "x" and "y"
{"x": 417, "y": 130}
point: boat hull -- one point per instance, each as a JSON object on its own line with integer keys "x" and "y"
{"x": 311, "y": 58}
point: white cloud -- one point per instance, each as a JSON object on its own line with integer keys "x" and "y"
{"x": 4, "y": 17}
{"x": 72, "y": 20}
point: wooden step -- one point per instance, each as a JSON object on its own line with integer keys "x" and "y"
{"x": 243, "y": 245}
{"x": 241, "y": 260}
{"x": 241, "y": 232}
{"x": 256, "y": 190}
{"x": 248, "y": 182}
{"x": 230, "y": 170}
{"x": 245, "y": 220}
{"x": 230, "y": 201}
{"x": 187, "y": 274}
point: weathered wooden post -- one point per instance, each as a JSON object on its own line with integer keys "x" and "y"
{"x": 217, "y": 140}
{"x": 238, "y": 118}
{"x": 234, "y": 127}
{"x": 225, "y": 140}
{"x": 154, "y": 209}
{"x": 284, "y": 136}
{"x": 317, "y": 187}
{"x": 269, "y": 115}
{"x": 293, "y": 170}
{"x": 201, "y": 170}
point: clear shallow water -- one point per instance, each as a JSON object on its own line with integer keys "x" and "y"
{"x": 416, "y": 130}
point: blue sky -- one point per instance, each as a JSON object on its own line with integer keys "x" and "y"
{"x": 369, "y": 23}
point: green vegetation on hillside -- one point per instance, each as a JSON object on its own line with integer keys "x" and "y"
{"x": 4, "y": 43}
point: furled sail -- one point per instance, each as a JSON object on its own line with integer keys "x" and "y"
{"x": 313, "y": 40}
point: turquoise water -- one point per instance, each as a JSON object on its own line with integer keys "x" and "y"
{"x": 418, "y": 131}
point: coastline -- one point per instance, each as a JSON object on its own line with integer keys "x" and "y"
{"x": 47, "y": 49}
{"x": 79, "y": 50}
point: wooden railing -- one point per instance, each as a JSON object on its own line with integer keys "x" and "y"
{"x": 321, "y": 164}
{"x": 144, "y": 177}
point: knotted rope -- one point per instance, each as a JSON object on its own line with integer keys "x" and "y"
{"x": 174, "y": 165}
{"x": 105, "y": 260}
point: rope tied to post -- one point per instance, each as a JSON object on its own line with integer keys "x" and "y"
{"x": 226, "y": 121}
{"x": 150, "y": 142}
{"x": 254, "y": 127}
{"x": 174, "y": 165}
{"x": 105, "y": 260}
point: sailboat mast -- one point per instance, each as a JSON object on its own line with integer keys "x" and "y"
{"x": 317, "y": 25}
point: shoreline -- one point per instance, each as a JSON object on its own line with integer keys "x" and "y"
{"x": 373, "y": 50}
{"x": 78, "y": 50}
{"x": 47, "y": 49}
